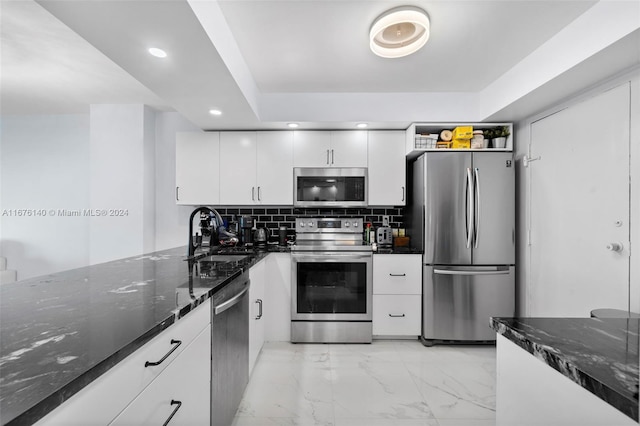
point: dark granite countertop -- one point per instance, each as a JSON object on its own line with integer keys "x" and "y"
{"x": 61, "y": 331}
{"x": 601, "y": 355}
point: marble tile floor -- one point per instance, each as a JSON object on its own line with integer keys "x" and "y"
{"x": 390, "y": 382}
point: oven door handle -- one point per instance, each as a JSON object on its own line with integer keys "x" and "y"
{"x": 319, "y": 256}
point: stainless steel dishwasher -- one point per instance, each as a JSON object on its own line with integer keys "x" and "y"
{"x": 229, "y": 349}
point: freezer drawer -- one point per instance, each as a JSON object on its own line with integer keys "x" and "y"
{"x": 459, "y": 300}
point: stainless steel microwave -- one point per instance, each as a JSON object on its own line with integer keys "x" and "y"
{"x": 330, "y": 187}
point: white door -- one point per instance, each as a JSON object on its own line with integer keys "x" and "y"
{"x": 238, "y": 168}
{"x": 275, "y": 168}
{"x": 197, "y": 174}
{"x": 579, "y": 205}
{"x": 311, "y": 148}
{"x": 348, "y": 148}
{"x": 387, "y": 168}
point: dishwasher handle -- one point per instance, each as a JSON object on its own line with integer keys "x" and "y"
{"x": 228, "y": 304}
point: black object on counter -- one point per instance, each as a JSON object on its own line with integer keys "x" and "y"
{"x": 246, "y": 230}
{"x": 282, "y": 236}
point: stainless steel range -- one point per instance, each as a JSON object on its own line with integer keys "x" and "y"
{"x": 332, "y": 282}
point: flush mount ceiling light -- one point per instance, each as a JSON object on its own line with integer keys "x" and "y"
{"x": 361, "y": 125}
{"x": 215, "y": 112}
{"x": 399, "y": 32}
{"x": 293, "y": 125}
{"x": 158, "y": 53}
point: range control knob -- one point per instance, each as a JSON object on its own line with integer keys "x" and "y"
{"x": 310, "y": 223}
{"x": 301, "y": 224}
{"x": 346, "y": 224}
{"x": 355, "y": 224}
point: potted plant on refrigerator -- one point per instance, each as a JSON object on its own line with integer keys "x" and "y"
{"x": 498, "y": 136}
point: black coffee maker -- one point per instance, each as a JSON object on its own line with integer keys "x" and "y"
{"x": 245, "y": 224}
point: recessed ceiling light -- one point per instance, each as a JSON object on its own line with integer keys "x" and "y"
{"x": 293, "y": 125}
{"x": 215, "y": 112}
{"x": 158, "y": 53}
{"x": 361, "y": 125}
{"x": 399, "y": 32}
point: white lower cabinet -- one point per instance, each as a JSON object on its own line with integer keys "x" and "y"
{"x": 278, "y": 298}
{"x": 397, "y": 294}
{"x": 105, "y": 398}
{"x": 178, "y": 396}
{"x": 256, "y": 311}
{"x": 396, "y": 315}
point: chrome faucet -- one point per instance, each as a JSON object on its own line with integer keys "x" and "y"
{"x": 208, "y": 228}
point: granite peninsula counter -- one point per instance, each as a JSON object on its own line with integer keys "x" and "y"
{"x": 61, "y": 331}
{"x": 600, "y": 357}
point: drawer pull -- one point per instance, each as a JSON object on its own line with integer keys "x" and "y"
{"x": 396, "y": 315}
{"x": 259, "y": 302}
{"x": 175, "y": 410}
{"x": 397, "y": 275}
{"x": 149, "y": 363}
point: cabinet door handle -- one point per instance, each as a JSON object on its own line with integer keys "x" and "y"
{"x": 396, "y": 315}
{"x": 253, "y": 193}
{"x": 259, "y": 302}
{"x": 177, "y": 194}
{"x": 403, "y": 193}
{"x": 397, "y": 275}
{"x": 175, "y": 410}
{"x": 327, "y": 157}
{"x": 173, "y": 342}
{"x": 331, "y": 156}
{"x": 259, "y": 194}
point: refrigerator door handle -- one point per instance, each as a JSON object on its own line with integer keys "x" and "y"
{"x": 470, "y": 272}
{"x": 470, "y": 207}
{"x": 476, "y": 221}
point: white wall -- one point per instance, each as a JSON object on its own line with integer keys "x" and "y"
{"x": 171, "y": 219}
{"x": 44, "y": 165}
{"x": 122, "y": 158}
{"x": 522, "y": 136}
{"x": 102, "y": 160}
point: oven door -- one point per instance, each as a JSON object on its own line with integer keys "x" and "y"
{"x": 331, "y": 286}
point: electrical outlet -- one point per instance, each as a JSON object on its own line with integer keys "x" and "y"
{"x": 385, "y": 220}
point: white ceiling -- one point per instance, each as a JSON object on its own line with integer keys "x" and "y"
{"x": 265, "y": 63}
{"x": 322, "y": 46}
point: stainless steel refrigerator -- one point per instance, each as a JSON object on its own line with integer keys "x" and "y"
{"x": 462, "y": 213}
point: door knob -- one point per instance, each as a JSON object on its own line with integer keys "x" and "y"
{"x": 617, "y": 247}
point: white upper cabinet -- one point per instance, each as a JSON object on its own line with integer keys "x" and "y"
{"x": 387, "y": 168}
{"x": 330, "y": 148}
{"x": 197, "y": 178}
{"x": 311, "y": 148}
{"x": 274, "y": 171}
{"x": 349, "y": 148}
{"x": 238, "y": 152}
{"x": 256, "y": 168}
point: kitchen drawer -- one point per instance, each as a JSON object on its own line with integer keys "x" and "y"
{"x": 101, "y": 400}
{"x": 397, "y": 274}
{"x": 183, "y": 389}
{"x": 397, "y": 315}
